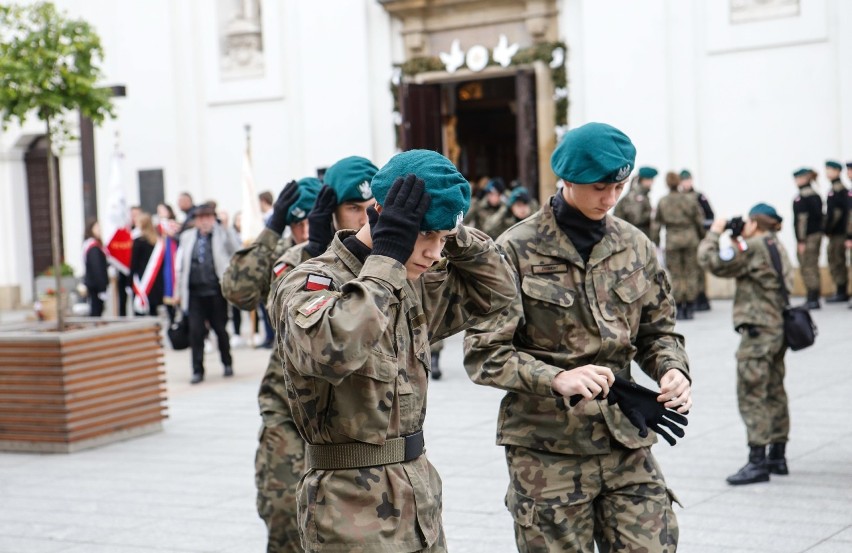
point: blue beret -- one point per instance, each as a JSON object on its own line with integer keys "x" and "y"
{"x": 833, "y": 164}
{"x": 519, "y": 194}
{"x": 309, "y": 188}
{"x": 496, "y": 185}
{"x": 685, "y": 174}
{"x": 595, "y": 152}
{"x": 449, "y": 190}
{"x": 350, "y": 178}
{"x": 802, "y": 171}
{"x": 647, "y": 172}
{"x": 765, "y": 209}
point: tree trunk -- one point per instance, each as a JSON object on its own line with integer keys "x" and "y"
{"x": 54, "y": 232}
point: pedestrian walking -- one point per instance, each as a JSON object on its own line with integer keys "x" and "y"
{"x": 759, "y": 303}
{"x": 354, "y": 326}
{"x": 593, "y": 298}
{"x": 807, "y": 211}
{"x": 635, "y": 207}
{"x": 836, "y": 223}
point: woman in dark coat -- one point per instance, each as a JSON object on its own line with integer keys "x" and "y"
{"x": 96, "y": 278}
{"x": 146, "y": 268}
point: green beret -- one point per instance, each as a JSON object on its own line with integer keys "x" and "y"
{"x": 849, "y": 164}
{"x": 519, "y": 194}
{"x": 309, "y": 188}
{"x": 802, "y": 172}
{"x": 647, "y": 172}
{"x": 685, "y": 174}
{"x": 833, "y": 164}
{"x": 595, "y": 152}
{"x": 765, "y": 209}
{"x": 350, "y": 178}
{"x": 449, "y": 190}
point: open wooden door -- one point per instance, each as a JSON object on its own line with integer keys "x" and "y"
{"x": 527, "y": 131}
{"x": 421, "y": 117}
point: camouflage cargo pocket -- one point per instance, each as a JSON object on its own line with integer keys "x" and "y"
{"x": 521, "y": 507}
{"x": 548, "y": 299}
{"x": 361, "y": 407}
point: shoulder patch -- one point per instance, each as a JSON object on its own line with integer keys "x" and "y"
{"x": 279, "y": 268}
{"x": 742, "y": 245}
{"x": 316, "y": 282}
{"x": 315, "y": 303}
{"x": 727, "y": 254}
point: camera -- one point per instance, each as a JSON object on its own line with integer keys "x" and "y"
{"x": 735, "y": 225}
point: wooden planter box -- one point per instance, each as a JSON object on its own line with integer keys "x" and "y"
{"x": 100, "y": 381}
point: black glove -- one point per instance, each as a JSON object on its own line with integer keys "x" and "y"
{"x": 320, "y": 221}
{"x": 289, "y": 196}
{"x": 397, "y": 226}
{"x": 641, "y": 407}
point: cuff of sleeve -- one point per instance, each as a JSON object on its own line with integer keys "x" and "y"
{"x": 667, "y": 368}
{"x": 268, "y": 238}
{"x": 546, "y": 381}
{"x": 465, "y": 237}
{"x": 386, "y": 269}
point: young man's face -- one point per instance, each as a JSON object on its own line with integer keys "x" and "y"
{"x": 686, "y": 184}
{"x": 646, "y": 183}
{"x": 592, "y": 200}
{"x": 351, "y": 215}
{"x": 802, "y": 180}
{"x": 832, "y": 173}
{"x": 300, "y": 231}
{"x": 520, "y": 210}
{"x": 427, "y": 252}
{"x": 493, "y": 198}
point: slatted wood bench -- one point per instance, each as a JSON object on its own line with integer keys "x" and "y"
{"x": 100, "y": 381}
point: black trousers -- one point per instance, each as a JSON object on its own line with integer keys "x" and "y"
{"x": 123, "y": 282}
{"x": 96, "y": 305}
{"x": 212, "y": 310}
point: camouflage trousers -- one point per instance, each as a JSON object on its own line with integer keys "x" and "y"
{"x": 836, "y": 251}
{"x": 569, "y": 503}
{"x": 685, "y": 273}
{"x": 809, "y": 261}
{"x": 760, "y": 386}
{"x": 279, "y": 465}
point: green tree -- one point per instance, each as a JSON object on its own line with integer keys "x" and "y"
{"x": 49, "y": 67}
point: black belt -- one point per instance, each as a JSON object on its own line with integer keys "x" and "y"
{"x": 360, "y": 454}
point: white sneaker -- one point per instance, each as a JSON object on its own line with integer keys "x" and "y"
{"x": 237, "y": 341}
{"x": 258, "y": 339}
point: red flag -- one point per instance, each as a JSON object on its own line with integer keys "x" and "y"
{"x": 116, "y": 225}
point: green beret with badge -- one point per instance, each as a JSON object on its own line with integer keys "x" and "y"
{"x": 350, "y": 178}
{"x": 833, "y": 164}
{"x": 593, "y": 153}
{"x": 448, "y": 189}
{"x": 309, "y": 188}
{"x": 519, "y": 194}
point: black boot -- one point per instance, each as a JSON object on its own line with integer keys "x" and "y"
{"x": 436, "y": 370}
{"x": 754, "y": 471}
{"x": 840, "y": 296}
{"x": 702, "y": 303}
{"x": 813, "y": 299}
{"x": 690, "y": 310}
{"x": 681, "y": 311}
{"x": 776, "y": 462}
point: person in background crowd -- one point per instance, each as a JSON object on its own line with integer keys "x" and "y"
{"x": 146, "y": 267}
{"x": 836, "y": 225}
{"x": 488, "y": 205}
{"x": 592, "y": 298}
{"x": 187, "y": 207}
{"x": 168, "y": 227}
{"x": 96, "y": 278}
{"x": 635, "y": 207}
{"x": 758, "y": 316}
{"x": 517, "y": 208}
{"x": 701, "y": 301}
{"x": 807, "y": 213}
{"x": 849, "y": 222}
{"x": 683, "y": 220}
{"x": 266, "y": 200}
{"x": 203, "y": 256}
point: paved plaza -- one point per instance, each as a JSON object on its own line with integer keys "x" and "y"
{"x": 190, "y": 488}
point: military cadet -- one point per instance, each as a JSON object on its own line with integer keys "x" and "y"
{"x": 680, "y": 214}
{"x": 836, "y": 223}
{"x": 592, "y": 298}
{"x": 280, "y": 455}
{"x": 758, "y": 315}
{"x": 807, "y": 211}
{"x": 488, "y": 205}
{"x": 635, "y": 207}
{"x": 517, "y": 208}
{"x": 701, "y": 301}
{"x": 354, "y": 327}
{"x": 849, "y": 222}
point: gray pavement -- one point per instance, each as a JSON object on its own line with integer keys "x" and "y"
{"x": 190, "y": 488}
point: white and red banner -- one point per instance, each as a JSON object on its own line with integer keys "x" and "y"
{"x": 251, "y": 223}
{"x": 115, "y": 228}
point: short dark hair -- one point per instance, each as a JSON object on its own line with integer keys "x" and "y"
{"x": 266, "y": 197}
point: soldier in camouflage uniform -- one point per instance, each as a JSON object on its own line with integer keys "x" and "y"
{"x": 518, "y": 207}
{"x": 486, "y": 206}
{"x": 758, "y": 306}
{"x": 635, "y": 207}
{"x": 701, "y": 301}
{"x": 681, "y": 216}
{"x": 807, "y": 211}
{"x": 279, "y": 463}
{"x": 836, "y": 223}
{"x": 354, "y": 328}
{"x": 592, "y": 298}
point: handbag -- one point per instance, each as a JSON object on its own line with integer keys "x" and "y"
{"x": 799, "y": 329}
{"x": 178, "y": 332}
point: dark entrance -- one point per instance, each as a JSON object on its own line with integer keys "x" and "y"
{"x": 487, "y": 127}
{"x": 38, "y": 192}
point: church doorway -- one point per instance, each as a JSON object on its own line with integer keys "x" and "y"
{"x": 38, "y": 193}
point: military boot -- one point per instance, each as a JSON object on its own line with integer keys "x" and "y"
{"x": 680, "y": 309}
{"x": 436, "y": 369}
{"x": 690, "y": 310}
{"x": 754, "y": 471}
{"x": 702, "y": 303}
{"x": 776, "y": 462}
{"x": 840, "y": 296}
{"x": 813, "y": 299}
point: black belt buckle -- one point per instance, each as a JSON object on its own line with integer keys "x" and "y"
{"x": 414, "y": 445}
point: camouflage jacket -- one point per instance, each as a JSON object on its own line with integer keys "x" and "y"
{"x": 614, "y": 309}
{"x": 357, "y": 359}
{"x": 683, "y": 218}
{"x": 480, "y": 211}
{"x": 246, "y": 280}
{"x": 635, "y": 208}
{"x": 757, "y": 300}
{"x": 497, "y": 224}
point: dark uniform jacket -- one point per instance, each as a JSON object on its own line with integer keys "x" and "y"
{"x": 807, "y": 211}
{"x": 837, "y": 209}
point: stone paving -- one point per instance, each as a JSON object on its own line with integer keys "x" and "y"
{"x": 190, "y": 488}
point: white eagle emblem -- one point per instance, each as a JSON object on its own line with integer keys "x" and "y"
{"x": 623, "y": 173}
{"x": 459, "y": 218}
{"x": 364, "y": 188}
{"x": 298, "y": 213}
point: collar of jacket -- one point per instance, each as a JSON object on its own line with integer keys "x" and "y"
{"x": 352, "y": 263}
{"x": 552, "y": 242}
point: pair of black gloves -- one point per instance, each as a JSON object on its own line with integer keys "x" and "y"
{"x": 394, "y": 232}
{"x": 640, "y": 406}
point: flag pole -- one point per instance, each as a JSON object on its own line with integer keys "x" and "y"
{"x": 113, "y": 275}
{"x": 253, "y": 314}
